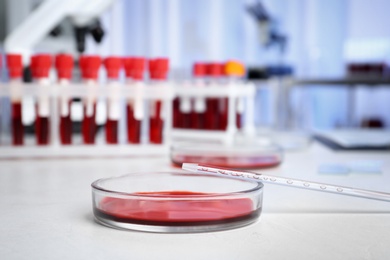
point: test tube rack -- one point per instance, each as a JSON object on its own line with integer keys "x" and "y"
{"x": 233, "y": 91}
{"x": 147, "y": 92}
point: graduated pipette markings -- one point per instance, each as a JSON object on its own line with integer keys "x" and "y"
{"x": 316, "y": 186}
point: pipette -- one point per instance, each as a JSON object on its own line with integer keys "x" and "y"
{"x": 303, "y": 184}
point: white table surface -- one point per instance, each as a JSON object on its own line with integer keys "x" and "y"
{"x": 46, "y": 213}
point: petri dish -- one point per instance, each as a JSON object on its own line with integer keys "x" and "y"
{"x": 171, "y": 202}
{"x": 248, "y": 155}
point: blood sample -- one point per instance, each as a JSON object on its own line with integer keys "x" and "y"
{"x": 135, "y": 68}
{"x": 158, "y": 69}
{"x": 173, "y": 209}
{"x": 235, "y": 71}
{"x": 113, "y": 65}
{"x": 223, "y": 102}
{"x": 185, "y": 108}
{"x": 89, "y": 69}
{"x": 176, "y": 118}
{"x": 15, "y": 67}
{"x": 64, "y": 67}
{"x": 199, "y": 106}
{"x": 176, "y": 202}
{"x": 214, "y": 72}
{"x": 40, "y": 67}
{"x": 248, "y": 154}
{"x": 182, "y": 107}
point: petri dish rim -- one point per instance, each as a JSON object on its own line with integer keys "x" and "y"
{"x": 258, "y": 186}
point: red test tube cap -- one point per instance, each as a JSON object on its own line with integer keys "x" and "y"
{"x": 215, "y": 69}
{"x": 128, "y": 64}
{"x": 113, "y": 66}
{"x": 90, "y": 65}
{"x": 135, "y": 67}
{"x": 64, "y": 66}
{"x": 40, "y": 65}
{"x": 15, "y": 66}
{"x": 139, "y": 68}
{"x": 199, "y": 69}
{"x": 158, "y": 68}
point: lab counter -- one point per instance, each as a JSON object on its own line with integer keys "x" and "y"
{"x": 47, "y": 213}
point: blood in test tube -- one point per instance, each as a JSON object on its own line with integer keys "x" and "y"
{"x": 158, "y": 69}
{"x": 15, "y": 68}
{"x": 64, "y": 67}
{"x": 176, "y": 119}
{"x": 199, "y": 104}
{"x": 40, "y": 67}
{"x": 89, "y": 65}
{"x": 184, "y": 113}
{"x": 182, "y": 107}
{"x": 135, "y": 68}
{"x": 214, "y": 72}
{"x": 113, "y": 66}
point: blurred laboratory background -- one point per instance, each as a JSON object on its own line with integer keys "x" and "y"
{"x": 313, "y": 39}
{"x": 315, "y": 65}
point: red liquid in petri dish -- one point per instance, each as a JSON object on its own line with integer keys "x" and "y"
{"x": 42, "y": 130}
{"x": 173, "y": 209}
{"x": 112, "y": 131}
{"x": 133, "y": 126}
{"x": 156, "y": 124}
{"x": 17, "y": 125}
{"x": 252, "y": 162}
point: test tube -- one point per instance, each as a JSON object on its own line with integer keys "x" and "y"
{"x": 40, "y": 67}
{"x": 184, "y": 113}
{"x": 89, "y": 69}
{"x": 135, "y": 68}
{"x": 214, "y": 73}
{"x": 235, "y": 71}
{"x": 199, "y": 105}
{"x": 64, "y": 67}
{"x": 223, "y": 102}
{"x": 113, "y": 66}
{"x": 176, "y": 118}
{"x": 158, "y": 69}
{"x": 15, "y": 67}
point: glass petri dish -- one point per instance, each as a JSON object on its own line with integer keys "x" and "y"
{"x": 240, "y": 155}
{"x": 169, "y": 202}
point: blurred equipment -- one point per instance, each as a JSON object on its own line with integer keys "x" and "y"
{"x": 364, "y": 70}
{"x": 45, "y": 19}
{"x": 269, "y": 34}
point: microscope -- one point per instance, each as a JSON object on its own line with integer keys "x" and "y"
{"x": 44, "y": 20}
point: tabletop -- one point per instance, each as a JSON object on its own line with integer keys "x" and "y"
{"x": 47, "y": 213}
